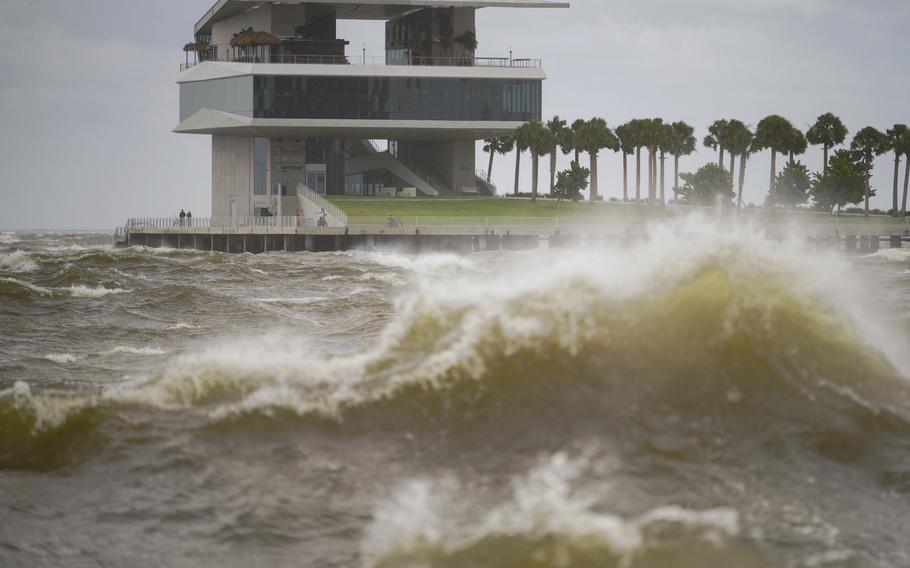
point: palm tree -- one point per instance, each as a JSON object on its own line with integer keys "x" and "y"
{"x": 556, "y": 126}
{"x": 684, "y": 143}
{"x": 627, "y": 147}
{"x": 870, "y": 143}
{"x": 716, "y": 139}
{"x": 797, "y": 144}
{"x": 636, "y": 134}
{"x": 739, "y": 143}
{"x": 592, "y": 138}
{"x": 576, "y": 128}
{"x": 776, "y": 134}
{"x": 904, "y": 144}
{"x": 650, "y": 138}
{"x": 522, "y": 143}
{"x": 501, "y": 146}
{"x": 828, "y": 131}
{"x": 666, "y": 143}
{"x": 540, "y": 142}
{"x": 895, "y": 136}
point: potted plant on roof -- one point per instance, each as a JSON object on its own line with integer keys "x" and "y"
{"x": 254, "y": 46}
{"x": 468, "y": 40}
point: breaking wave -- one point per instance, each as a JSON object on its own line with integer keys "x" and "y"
{"x": 546, "y": 520}
{"x": 14, "y": 288}
{"x": 712, "y": 330}
{"x": 17, "y": 261}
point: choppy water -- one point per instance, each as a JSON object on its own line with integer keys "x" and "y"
{"x": 707, "y": 399}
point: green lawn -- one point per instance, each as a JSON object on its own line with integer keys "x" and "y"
{"x": 378, "y": 209}
{"x": 481, "y": 207}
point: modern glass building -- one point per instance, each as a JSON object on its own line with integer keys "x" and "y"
{"x": 285, "y": 106}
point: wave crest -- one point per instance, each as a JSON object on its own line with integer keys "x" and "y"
{"x": 545, "y": 521}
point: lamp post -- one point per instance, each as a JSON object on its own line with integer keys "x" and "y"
{"x": 510, "y": 56}
{"x": 364, "y": 46}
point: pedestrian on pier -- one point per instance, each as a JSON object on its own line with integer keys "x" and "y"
{"x": 182, "y": 217}
{"x": 189, "y": 218}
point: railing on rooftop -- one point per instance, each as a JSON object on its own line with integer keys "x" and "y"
{"x": 499, "y": 62}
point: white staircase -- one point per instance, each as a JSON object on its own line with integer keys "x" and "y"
{"x": 312, "y": 204}
{"x": 386, "y": 161}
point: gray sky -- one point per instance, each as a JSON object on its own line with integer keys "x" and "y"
{"x": 88, "y": 98}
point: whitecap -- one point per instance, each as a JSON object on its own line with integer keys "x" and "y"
{"x": 80, "y": 291}
{"x": 61, "y": 358}
{"x": 134, "y": 350}
{"x": 17, "y": 261}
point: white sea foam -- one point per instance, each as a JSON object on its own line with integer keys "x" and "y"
{"x": 126, "y": 349}
{"x": 432, "y": 263}
{"x": 901, "y": 255}
{"x": 62, "y": 358}
{"x": 17, "y": 261}
{"x": 9, "y": 239}
{"x": 384, "y": 277}
{"x": 292, "y": 301}
{"x": 80, "y": 291}
{"x": 433, "y": 515}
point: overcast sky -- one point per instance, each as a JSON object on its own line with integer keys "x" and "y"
{"x": 88, "y": 99}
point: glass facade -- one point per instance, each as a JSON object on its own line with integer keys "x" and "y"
{"x": 369, "y": 98}
{"x": 260, "y": 165}
{"x": 233, "y": 95}
{"x": 396, "y": 98}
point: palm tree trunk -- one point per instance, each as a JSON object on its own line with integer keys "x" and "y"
{"x": 552, "y": 171}
{"x": 720, "y": 157}
{"x": 897, "y": 173}
{"x": 791, "y": 156}
{"x": 593, "y": 176}
{"x": 773, "y": 169}
{"x": 638, "y": 175}
{"x": 906, "y": 184}
{"x": 517, "y": 168}
{"x": 663, "y": 200}
{"x": 676, "y": 177}
{"x": 825, "y": 158}
{"x": 650, "y": 175}
{"x": 654, "y": 176}
{"x": 742, "y": 179}
{"x": 490, "y": 167}
{"x": 534, "y": 175}
{"x": 625, "y": 176}
{"x": 732, "y": 168}
{"x": 577, "y": 157}
{"x": 868, "y": 188}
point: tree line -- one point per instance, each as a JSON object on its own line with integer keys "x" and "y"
{"x": 844, "y": 179}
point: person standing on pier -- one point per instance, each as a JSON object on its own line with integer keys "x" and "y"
{"x": 182, "y": 217}
{"x": 189, "y": 218}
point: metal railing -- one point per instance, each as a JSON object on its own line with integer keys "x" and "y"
{"x": 215, "y": 222}
{"x": 382, "y": 60}
{"x": 493, "y": 223}
{"x": 303, "y": 192}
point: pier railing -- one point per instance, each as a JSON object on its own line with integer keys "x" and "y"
{"x": 175, "y": 223}
{"x": 381, "y": 60}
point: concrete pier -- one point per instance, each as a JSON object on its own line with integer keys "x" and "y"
{"x": 864, "y": 239}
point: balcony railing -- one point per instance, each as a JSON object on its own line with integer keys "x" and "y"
{"x": 501, "y": 62}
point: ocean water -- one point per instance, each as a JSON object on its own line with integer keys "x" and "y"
{"x": 709, "y": 397}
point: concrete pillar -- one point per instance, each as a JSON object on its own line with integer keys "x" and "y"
{"x": 371, "y": 242}
{"x": 896, "y": 241}
{"x": 309, "y": 243}
{"x": 864, "y": 243}
{"x": 874, "y": 243}
{"x": 850, "y": 243}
